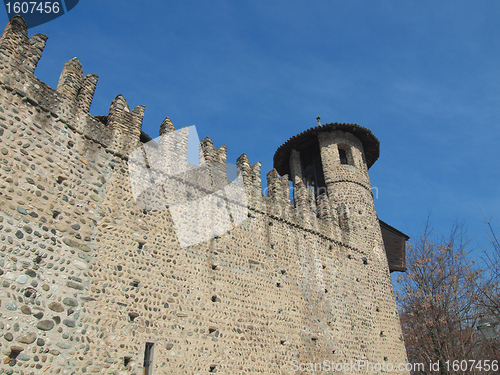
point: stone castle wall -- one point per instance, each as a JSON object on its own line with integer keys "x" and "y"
{"x": 88, "y": 276}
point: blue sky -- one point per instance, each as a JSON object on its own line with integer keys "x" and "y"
{"x": 424, "y": 76}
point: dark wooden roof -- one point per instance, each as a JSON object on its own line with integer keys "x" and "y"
{"x": 145, "y": 138}
{"x": 370, "y": 143}
{"x": 395, "y": 246}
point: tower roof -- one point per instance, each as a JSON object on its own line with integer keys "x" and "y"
{"x": 371, "y": 144}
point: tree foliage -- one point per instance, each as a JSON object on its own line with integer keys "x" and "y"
{"x": 439, "y": 304}
{"x": 490, "y": 288}
{"x": 490, "y": 285}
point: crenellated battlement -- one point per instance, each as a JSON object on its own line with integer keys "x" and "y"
{"x": 123, "y": 254}
{"x": 17, "y": 49}
{"x": 120, "y": 133}
{"x": 70, "y": 103}
{"x": 126, "y": 126}
{"x": 75, "y": 86}
{"x": 208, "y": 153}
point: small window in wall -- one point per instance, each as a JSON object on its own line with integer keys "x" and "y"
{"x": 148, "y": 358}
{"x": 60, "y": 179}
{"x": 312, "y": 169}
{"x": 135, "y": 284}
{"x": 132, "y": 316}
{"x": 15, "y": 351}
{"x": 126, "y": 361}
{"x": 56, "y": 213}
{"x": 345, "y": 154}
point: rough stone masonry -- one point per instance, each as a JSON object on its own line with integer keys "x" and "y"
{"x": 90, "y": 282}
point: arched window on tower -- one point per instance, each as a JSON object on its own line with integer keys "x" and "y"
{"x": 312, "y": 169}
{"x": 345, "y": 154}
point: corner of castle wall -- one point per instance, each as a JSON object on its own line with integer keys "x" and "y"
{"x": 125, "y": 125}
{"x": 17, "y": 49}
{"x": 70, "y": 102}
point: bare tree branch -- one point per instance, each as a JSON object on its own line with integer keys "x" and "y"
{"x": 440, "y": 302}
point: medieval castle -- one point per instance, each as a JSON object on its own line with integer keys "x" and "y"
{"x": 93, "y": 282}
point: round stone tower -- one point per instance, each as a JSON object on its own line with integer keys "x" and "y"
{"x": 334, "y": 159}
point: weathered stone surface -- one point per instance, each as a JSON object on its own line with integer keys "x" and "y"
{"x": 69, "y": 323}
{"x": 22, "y": 279}
{"x": 45, "y": 325}
{"x": 103, "y": 270}
{"x": 72, "y": 243}
{"x": 56, "y": 306}
{"x": 27, "y": 339}
{"x": 70, "y": 302}
{"x": 25, "y": 310}
{"x": 23, "y": 357}
{"x": 74, "y": 285}
{"x": 61, "y": 227}
{"x": 10, "y": 306}
{"x": 30, "y": 273}
{"x": 22, "y": 211}
{"x": 64, "y": 345}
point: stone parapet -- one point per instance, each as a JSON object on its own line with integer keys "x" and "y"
{"x": 95, "y": 280}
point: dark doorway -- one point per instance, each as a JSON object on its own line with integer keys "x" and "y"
{"x": 148, "y": 359}
{"x": 343, "y": 156}
{"x": 312, "y": 169}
